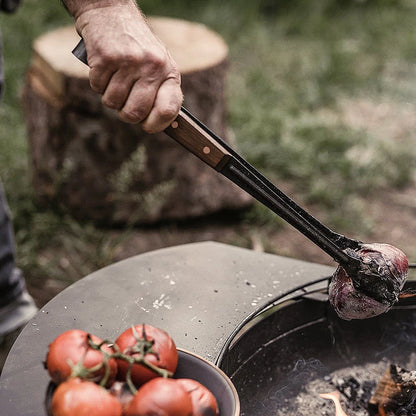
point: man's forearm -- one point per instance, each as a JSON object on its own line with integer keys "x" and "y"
{"x": 77, "y": 7}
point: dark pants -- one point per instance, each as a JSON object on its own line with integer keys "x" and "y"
{"x": 11, "y": 279}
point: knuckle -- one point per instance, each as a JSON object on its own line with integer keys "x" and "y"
{"x": 175, "y": 75}
{"x": 127, "y": 118}
{"x": 157, "y": 59}
{"x": 154, "y": 62}
{"x": 144, "y": 60}
{"x": 96, "y": 87}
{"x": 134, "y": 115}
{"x": 114, "y": 59}
{"x": 167, "y": 112}
{"x": 102, "y": 61}
{"x": 151, "y": 129}
{"x": 98, "y": 79}
{"x": 110, "y": 103}
{"x": 130, "y": 60}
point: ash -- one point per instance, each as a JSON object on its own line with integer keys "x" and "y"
{"x": 356, "y": 385}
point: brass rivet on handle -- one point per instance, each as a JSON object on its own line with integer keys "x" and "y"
{"x": 206, "y": 150}
{"x": 174, "y": 124}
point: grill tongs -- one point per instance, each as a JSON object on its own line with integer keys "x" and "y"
{"x": 215, "y": 152}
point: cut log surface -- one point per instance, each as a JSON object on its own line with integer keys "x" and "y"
{"x": 99, "y": 168}
{"x": 194, "y": 47}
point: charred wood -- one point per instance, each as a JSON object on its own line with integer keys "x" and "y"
{"x": 395, "y": 393}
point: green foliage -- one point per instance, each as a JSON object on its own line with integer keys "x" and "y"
{"x": 296, "y": 66}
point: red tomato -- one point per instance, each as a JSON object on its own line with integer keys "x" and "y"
{"x": 78, "y": 397}
{"x": 203, "y": 401}
{"x": 72, "y": 347}
{"x": 158, "y": 347}
{"x": 162, "y": 397}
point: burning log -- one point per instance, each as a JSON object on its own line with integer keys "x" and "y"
{"x": 395, "y": 393}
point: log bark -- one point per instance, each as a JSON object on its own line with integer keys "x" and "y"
{"x": 96, "y": 167}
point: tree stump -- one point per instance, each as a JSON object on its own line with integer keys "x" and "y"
{"x": 101, "y": 169}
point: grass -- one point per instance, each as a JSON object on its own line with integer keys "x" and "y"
{"x": 296, "y": 68}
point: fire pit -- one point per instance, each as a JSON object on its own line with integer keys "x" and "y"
{"x": 283, "y": 357}
{"x": 202, "y": 292}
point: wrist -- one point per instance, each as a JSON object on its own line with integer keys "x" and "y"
{"x": 104, "y": 11}
{"x": 77, "y": 7}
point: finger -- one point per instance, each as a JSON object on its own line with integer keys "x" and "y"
{"x": 99, "y": 78}
{"x": 165, "y": 107}
{"x": 117, "y": 90}
{"x": 139, "y": 102}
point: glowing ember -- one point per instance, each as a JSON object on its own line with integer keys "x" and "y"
{"x": 334, "y": 396}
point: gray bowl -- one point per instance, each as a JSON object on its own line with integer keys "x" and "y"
{"x": 196, "y": 368}
{"x": 213, "y": 378}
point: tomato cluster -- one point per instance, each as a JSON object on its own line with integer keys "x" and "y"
{"x": 130, "y": 377}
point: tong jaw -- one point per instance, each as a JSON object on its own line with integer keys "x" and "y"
{"x": 374, "y": 277}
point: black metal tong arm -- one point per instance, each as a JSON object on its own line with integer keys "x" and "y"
{"x": 238, "y": 170}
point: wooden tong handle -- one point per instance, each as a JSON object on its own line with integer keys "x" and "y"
{"x": 190, "y": 135}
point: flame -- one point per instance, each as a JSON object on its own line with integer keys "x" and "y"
{"x": 334, "y": 396}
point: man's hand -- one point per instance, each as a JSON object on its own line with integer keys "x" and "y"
{"x": 128, "y": 65}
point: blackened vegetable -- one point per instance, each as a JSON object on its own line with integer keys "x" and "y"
{"x": 375, "y": 294}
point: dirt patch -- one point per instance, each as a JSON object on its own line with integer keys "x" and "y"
{"x": 384, "y": 119}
